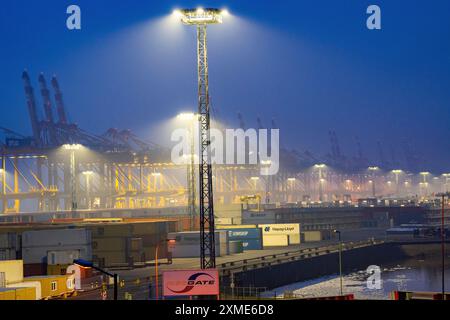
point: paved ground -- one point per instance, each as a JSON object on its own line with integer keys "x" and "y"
{"x": 141, "y": 289}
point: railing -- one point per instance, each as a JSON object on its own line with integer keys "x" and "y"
{"x": 228, "y": 268}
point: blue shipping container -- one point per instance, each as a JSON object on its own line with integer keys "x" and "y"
{"x": 254, "y": 244}
{"x": 244, "y": 233}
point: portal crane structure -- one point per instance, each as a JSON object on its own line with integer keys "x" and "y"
{"x": 201, "y": 18}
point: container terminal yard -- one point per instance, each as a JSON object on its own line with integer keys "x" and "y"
{"x": 110, "y": 215}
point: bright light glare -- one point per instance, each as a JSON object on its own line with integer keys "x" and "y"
{"x": 88, "y": 173}
{"x": 186, "y": 116}
{"x": 72, "y": 146}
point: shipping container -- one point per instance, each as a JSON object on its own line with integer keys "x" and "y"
{"x": 279, "y": 240}
{"x": 244, "y": 233}
{"x": 110, "y": 258}
{"x": 192, "y": 250}
{"x": 252, "y": 244}
{"x": 236, "y": 247}
{"x": 280, "y": 228}
{"x": 241, "y": 226}
{"x": 256, "y": 217}
{"x": 312, "y": 236}
{"x": 62, "y": 257}
{"x": 36, "y": 255}
{"x": 8, "y": 254}
{"x": 12, "y": 271}
{"x": 57, "y": 269}
{"x": 9, "y": 241}
{"x": 54, "y": 285}
{"x": 34, "y": 269}
{"x": 7, "y": 294}
{"x": 34, "y": 286}
{"x": 55, "y": 238}
{"x": 108, "y": 244}
{"x": 221, "y": 221}
{"x": 294, "y": 239}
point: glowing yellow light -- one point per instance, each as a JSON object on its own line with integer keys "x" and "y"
{"x": 72, "y": 146}
{"x": 186, "y": 116}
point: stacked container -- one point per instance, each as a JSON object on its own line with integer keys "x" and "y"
{"x": 251, "y": 238}
{"x": 187, "y": 244}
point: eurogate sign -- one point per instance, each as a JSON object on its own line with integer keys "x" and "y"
{"x": 190, "y": 282}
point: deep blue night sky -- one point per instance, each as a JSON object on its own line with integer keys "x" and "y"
{"x": 311, "y": 65}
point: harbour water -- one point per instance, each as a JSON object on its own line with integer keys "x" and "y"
{"x": 405, "y": 275}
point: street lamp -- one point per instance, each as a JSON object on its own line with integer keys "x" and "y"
{"x": 190, "y": 117}
{"x": 373, "y": 169}
{"x": 321, "y": 180}
{"x": 443, "y": 195}
{"x": 340, "y": 260}
{"x": 72, "y": 148}
{"x": 255, "y": 181}
{"x": 201, "y": 18}
{"x": 397, "y": 172}
{"x": 90, "y": 264}
{"x": 424, "y": 182}
{"x": 88, "y": 174}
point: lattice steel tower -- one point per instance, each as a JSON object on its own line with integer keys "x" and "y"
{"x": 201, "y": 18}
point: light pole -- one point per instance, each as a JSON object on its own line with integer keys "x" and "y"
{"x": 424, "y": 182}
{"x": 201, "y": 18}
{"x": 190, "y": 167}
{"x": 373, "y": 169}
{"x": 3, "y": 173}
{"x": 446, "y": 181}
{"x": 340, "y": 261}
{"x": 72, "y": 148}
{"x": 89, "y": 264}
{"x": 397, "y": 172}
{"x": 255, "y": 183}
{"x": 321, "y": 180}
{"x": 443, "y": 195}
{"x": 88, "y": 174}
{"x": 291, "y": 189}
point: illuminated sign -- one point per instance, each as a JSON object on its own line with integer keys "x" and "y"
{"x": 191, "y": 282}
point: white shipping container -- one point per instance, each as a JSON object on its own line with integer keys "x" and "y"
{"x": 40, "y": 254}
{"x": 55, "y": 238}
{"x": 62, "y": 257}
{"x": 279, "y": 240}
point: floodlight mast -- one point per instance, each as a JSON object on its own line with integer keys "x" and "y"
{"x": 201, "y": 18}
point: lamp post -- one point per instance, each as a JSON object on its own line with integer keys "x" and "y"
{"x": 424, "y": 182}
{"x": 3, "y": 173}
{"x": 201, "y": 18}
{"x": 321, "y": 180}
{"x": 191, "y": 117}
{"x": 443, "y": 195}
{"x": 72, "y": 148}
{"x": 340, "y": 261}
{"x": 88, "y": 174}
{"x": 373, "y": 169}
{"x": 156, "y": 268}
{"x": 397, "y": 172}
{"x": 90, "y": 264}
{"x": 255, "y": 182}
